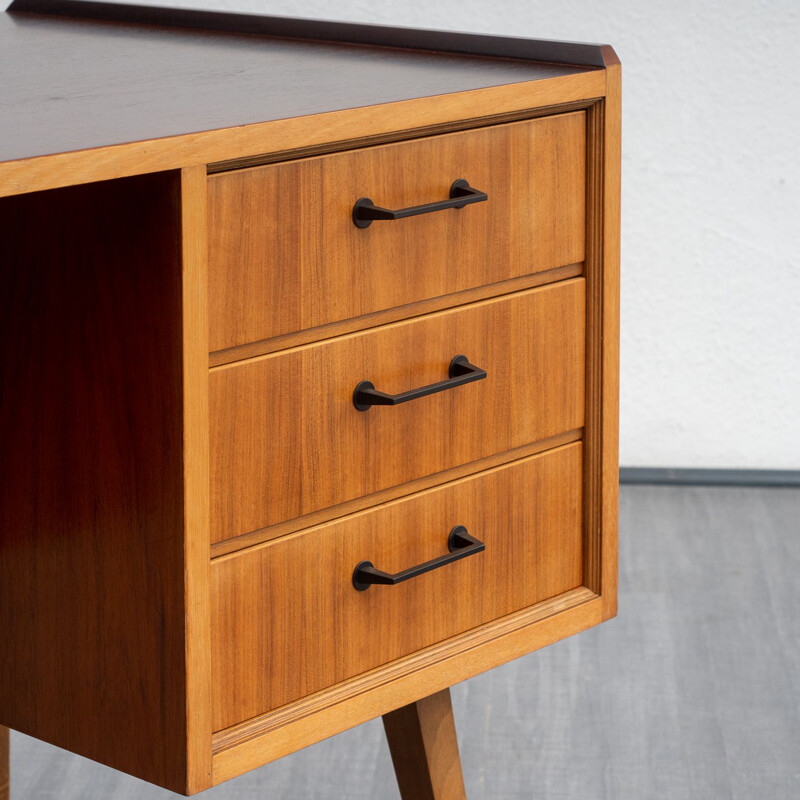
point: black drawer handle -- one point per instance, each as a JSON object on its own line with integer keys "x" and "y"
{"x": 461, "y": 372}
{"x": 459, "y": 543}
{"x": 365, "y": 212}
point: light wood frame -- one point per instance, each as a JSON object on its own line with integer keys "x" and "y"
{"x": 401, "y": 683}
{"x": 208, "y": 758}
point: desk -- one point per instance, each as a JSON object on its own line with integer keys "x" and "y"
{"x": 309, "y": 379}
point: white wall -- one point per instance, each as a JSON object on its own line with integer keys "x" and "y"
{"x": 711, "y": 208}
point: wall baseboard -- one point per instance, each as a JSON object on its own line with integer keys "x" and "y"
{"x": 664, "y": 476}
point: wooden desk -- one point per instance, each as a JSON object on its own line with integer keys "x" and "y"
{"x": 240, "y": 259}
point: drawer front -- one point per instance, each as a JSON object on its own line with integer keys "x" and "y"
{"x": 285, "y": 255}
{"x": 287, "y": 440}
{"x": 287, "y": 621}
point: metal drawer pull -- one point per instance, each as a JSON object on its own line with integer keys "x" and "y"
{"x": 461, "y": 372}
{"x": 365, "y": 212}
{"x": 459, "y": 542}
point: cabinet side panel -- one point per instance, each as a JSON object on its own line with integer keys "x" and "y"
{"x": 611, "y": 311}
{"x": 196, "y": 480}
{"x": 602, "y": 345}
{"x": 91, "y": 476}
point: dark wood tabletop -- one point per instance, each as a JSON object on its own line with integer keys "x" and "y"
{"x": 72, "y": 83}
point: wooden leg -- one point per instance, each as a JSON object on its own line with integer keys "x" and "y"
{"x": 424, "y": 747}
{"x": 4, "y": 769}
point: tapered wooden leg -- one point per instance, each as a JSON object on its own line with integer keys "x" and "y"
{"x": 424, "y": 747}
{"x": 4, "y": 768}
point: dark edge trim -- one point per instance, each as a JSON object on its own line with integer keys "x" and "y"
{"x": 582, "y": 55}
{"x": 664, "y": 476}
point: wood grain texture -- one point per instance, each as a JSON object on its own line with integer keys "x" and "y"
{"x": 274, "y": 735}
{"x": 669, "y": 682}
{"x": 428, "y": 306}
{"x": 424, "y": 747}
{"x": 286, "y": 439}
{"x": 104, "y": 504}
{"x": 287, "y": 622}
{"x": 405, "y": 668}
{"x": 602, "y": 326}
{"x": 393, "y": 493}
{"x": 276, "y": 267}
{"x": 91, "y": 480}
{"x": 609, "y": 504}
{"x": 5, "y": 764}
{"x": 263, "y": 138}
{"x": 372, "y": 140}
{"x": 194, "y": 283}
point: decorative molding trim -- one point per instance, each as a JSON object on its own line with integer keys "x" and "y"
{"x": 666, "y": 476}
{"x": 470, "y": 123}
{"x": 389, "y": 673}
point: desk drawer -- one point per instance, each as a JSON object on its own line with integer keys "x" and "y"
{"x": 287, "y": 621}
{"x": 285, "y": 255}
{"x": 287, "y": 440}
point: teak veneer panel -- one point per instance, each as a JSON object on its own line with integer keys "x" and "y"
{"x": 389, "y": 315}
{"x": 366, "y": 501}
{"x": 284, "y": 254}
{"x": 278, "y": 733}
{"x": 286, "y": 439}
{"x": 608, "y": 357}
{"x": 105, "y": 393}
{"x": 287, "y": 622}
{"x": 601, "y": 433}
{"x": 194, "y": 317}
{"x": 423, "y": 742}
{"x": 92, "y": 605}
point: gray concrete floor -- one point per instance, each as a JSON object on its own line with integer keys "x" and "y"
{"x": 692, "y": 692}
